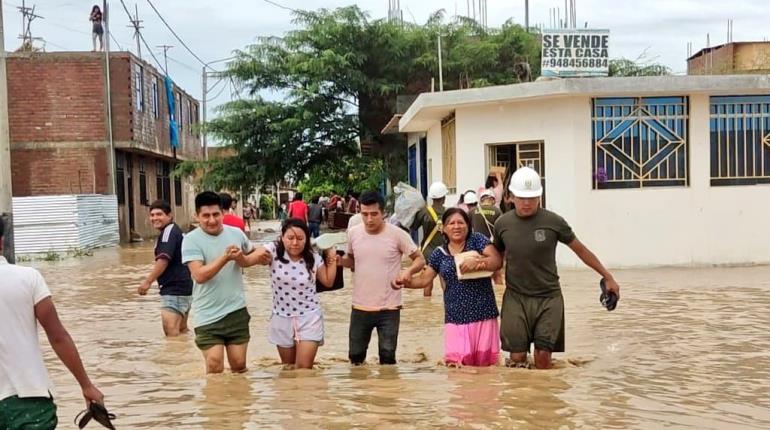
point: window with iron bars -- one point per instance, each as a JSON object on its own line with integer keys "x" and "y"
{"x": 155, "y": 98}
{"x": 740, "y": 140}
{"x": 120, "y": 178}
{"x": 177, "y": 190}
{"x": 162, "y": 180}
{"x": 139, "y": 87}
{"x": 640, "y": 142}
{"x": 143, "y": 199}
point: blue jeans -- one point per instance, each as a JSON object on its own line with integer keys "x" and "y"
{"x": 315, "y": 229}
{"x": 361, "y": 325}
{"x": 178, "y": 304}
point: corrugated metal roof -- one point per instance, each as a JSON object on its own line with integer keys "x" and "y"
{"x": 66, "y": 222}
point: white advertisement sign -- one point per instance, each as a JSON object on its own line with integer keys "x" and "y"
{"x": 575, "y": 53}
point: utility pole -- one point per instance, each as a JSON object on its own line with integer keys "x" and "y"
{"x": 165, "y": 49}
{"x": 204, "y": 83}
{"x": 526, "y": 14}
{"x": 204, "y": 99}
{"x": 136, "y": 24}
{"x": 6, "y": 195}
{"x": 111, "y": 184}
{"x": 440, "y": 70}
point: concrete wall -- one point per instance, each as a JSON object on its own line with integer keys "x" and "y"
{"x": 698, "y": 224}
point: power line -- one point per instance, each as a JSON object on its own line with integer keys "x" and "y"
{"x": 47, "y": 42}
{"x": 186, "y": 66}
{"x": 146, "y": 45}
{"x": 213, "y": 87}
{"x": 116, "y": 41}
{"x": 177, "y": 36}
{"x": 280, "y": 5}
{"x": 219, "y": 93}
{"x": 68, "y": 28}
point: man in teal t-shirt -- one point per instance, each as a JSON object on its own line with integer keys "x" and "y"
{"x": 214, "y": 253}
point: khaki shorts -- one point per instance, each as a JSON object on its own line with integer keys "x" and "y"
{"x": 525, "y": 320}
{"x": 233, "y": 329}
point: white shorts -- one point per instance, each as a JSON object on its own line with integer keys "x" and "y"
{"x": 285, "y": 331}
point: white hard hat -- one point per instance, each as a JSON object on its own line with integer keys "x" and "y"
{"x": 437, "y": 190}
{"x": 525, "y": 183}
{"x": 488, "y": 193}
{"x": 470, "y": 198}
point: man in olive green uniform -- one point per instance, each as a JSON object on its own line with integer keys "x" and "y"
{"x": 429, "y": 218}
{"x": 485, "y": 214}
{"x": 533, "y": 306}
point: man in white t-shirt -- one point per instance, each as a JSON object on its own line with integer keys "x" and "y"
{"x": 25, "y": 389}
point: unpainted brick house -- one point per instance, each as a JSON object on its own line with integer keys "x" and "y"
{"x": 60, "y": 142}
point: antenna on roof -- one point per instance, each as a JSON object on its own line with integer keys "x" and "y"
{"x": 136, "y": 24}
{"x": 28, "y": 15}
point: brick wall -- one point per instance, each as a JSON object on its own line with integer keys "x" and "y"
{"x": 37, "y": 172}
{"x": 718, "y": 61}
{"x": 151, "y": 132}
{"x": 55, "y": 98}
{"x": 120, "y": 83}
{"x": 58, "y": 127}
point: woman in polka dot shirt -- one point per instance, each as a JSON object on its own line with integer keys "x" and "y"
{"x": 471, "y": 330}
{"x": 296, "y": 326}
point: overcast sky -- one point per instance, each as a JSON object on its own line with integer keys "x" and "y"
{"x": 661, "y": 27}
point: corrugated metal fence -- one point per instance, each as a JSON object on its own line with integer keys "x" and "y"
{"x": 63, "y": 223}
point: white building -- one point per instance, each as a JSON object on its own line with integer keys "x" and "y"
{"x": 668, "y": 170}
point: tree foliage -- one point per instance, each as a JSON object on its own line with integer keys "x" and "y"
{"x": 624, "y": 67}
{"x": 348, "y": 174}
{"x": 339, "y": 74}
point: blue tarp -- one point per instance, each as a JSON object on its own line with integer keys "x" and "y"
{"x": 173, "y": 130}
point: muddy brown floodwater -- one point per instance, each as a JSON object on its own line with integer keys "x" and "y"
{"x": 686, "y": 348}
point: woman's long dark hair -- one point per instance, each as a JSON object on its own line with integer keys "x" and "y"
{"x": 96, "y": 8}
{"x": 449, "y": 212}
{"x": 307, "y": 252}
{"x": 491, "y": 179}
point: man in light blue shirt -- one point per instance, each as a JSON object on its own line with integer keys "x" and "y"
{"x": 214, "y": 253}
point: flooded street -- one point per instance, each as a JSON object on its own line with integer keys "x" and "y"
{"x": 686, "y": 348}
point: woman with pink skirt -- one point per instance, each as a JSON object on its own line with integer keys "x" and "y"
{"x": 471, "y": 330}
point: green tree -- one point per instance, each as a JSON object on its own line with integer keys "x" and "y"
{"x": 348, "y": 174}
{"x": 340, "y": 73}
{"x": 624, "y": 67}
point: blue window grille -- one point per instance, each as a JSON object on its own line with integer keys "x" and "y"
{"x": 640, "y": 142}
{"x": 740, "y": 140}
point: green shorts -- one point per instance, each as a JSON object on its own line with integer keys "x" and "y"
{"x": 233, "y": 329}
{"x": 29, "y": 413}
{"x": 525, "y": 320}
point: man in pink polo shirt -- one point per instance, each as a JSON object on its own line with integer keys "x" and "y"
{"x": 375, "y": 251}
